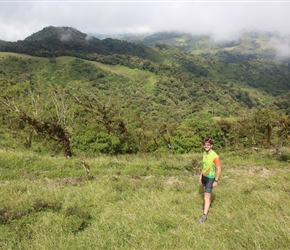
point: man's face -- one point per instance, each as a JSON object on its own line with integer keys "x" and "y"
{"x": 207, "y": 146}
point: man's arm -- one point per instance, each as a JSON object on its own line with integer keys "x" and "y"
{"x": 199, "y": 179}
{"x": 218, "y": 171}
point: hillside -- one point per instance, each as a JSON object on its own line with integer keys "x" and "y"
{"x": 250, "y": 58}
{"x": 142, "y": 202}
{"x": 249, "y": 45}
{"x": 134, "y": 97}
{"x": 60, "y": 41}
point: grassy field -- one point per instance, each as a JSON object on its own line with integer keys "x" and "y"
{"x": 142, "y": 202}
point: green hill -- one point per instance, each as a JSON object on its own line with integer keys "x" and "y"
{"x": 131, "y": 97}
{"x": 59, "y": 41}
{"x": 250, "y": 45}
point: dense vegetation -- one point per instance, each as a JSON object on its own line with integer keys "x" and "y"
{"x": 249, "y": 45}
{"x": 104, "y": 100}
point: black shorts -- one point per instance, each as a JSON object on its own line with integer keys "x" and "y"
{"x": 207, "y": 183}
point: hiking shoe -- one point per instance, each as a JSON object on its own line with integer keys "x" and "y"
{"x": 202, "y": 218}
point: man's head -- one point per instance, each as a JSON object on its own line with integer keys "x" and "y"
{"x": 207, "y": 144}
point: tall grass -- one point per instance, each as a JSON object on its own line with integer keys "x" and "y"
{"x": 142, "y": 202}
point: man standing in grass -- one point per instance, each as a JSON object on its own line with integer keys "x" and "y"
{"x": 210, "y": 174}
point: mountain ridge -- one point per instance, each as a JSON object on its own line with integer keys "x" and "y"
{"x": 221, "y": 71}
{"x": 249, "y": 45}
{"x": 60, "y": 41}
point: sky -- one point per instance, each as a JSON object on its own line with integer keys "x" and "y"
{"x": 224, "y": 20}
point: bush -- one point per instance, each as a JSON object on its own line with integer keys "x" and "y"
{"x": 284, "y": 154}
{"x": 94, "y": 141}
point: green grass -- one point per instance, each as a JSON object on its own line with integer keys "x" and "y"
{"x": 148, "y": 79}
{"x": 142, "y": 202}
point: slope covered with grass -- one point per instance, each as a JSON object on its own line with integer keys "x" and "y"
{"x": 142, "y": 202}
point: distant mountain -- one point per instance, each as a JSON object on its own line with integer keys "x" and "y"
{"x": 251, "y": 45}
{"x": 175, "y": 39}
{"x": 59, "y": 41}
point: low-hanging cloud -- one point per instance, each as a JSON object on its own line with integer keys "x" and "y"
{"x": 223, "y": 20}
{"x": 65, "y": 36}
{"x": 282, "y": 46}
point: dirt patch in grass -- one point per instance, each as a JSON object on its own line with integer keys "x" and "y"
{"x": 173, "y": 181}
{"x": 252, "y": 170}
{"x": 67, "y": 181}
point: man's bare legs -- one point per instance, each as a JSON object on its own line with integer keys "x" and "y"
{"x": 207, "y": 201}
{"x": 206, "y": 206}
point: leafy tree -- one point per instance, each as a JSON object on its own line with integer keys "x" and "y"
{"x": 265, "y": 121}
{"x": 244, "y": 132}
{"x": 93, "y": 138}
{"x": 107, "y": 111}
{"x": 48, "y": 119}
{"x": 186, "y": 140}
{"x": 226, "y": 128}
{"x": 284, "y": 130}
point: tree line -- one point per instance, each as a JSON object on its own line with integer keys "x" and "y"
{"x": 78, "y": 121}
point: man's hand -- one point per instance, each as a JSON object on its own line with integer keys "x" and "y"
{"x": 214, "y": 184}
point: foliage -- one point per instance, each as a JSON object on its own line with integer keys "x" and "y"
{"x": 119, "y": 127}
{"x": 93, "y": 139}
{"x": 156, "y": 99}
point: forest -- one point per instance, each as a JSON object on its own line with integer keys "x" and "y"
{"x": 118, "y": 97}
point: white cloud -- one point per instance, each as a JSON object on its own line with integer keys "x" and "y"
{"x": 282, "y": 45}
{"x": 224, "y": 20}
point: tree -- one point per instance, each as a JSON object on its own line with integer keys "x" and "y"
{"x": 48, "y": 119}
{"x": 108, "y": 112}
{"x": 284, "y": 130}
{"x": 226, "y": 127}
{"x": 52, "y": 130}
{"x": 265, "y": 120}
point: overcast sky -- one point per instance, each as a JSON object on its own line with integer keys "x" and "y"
{"x": 222, "y": 19}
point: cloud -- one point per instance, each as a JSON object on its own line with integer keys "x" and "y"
{"x": 65, "y": 37}
{"x": 282, "y": 45}
{"x": 223, "y": 20}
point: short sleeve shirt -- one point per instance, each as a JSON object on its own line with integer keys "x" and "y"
{"x": 210, "y": 161}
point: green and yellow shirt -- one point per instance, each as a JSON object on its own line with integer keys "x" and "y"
{"x": 210, "y": 161}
